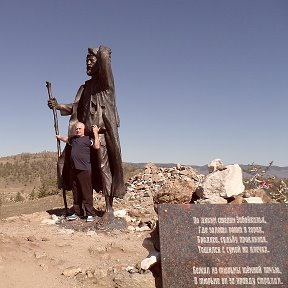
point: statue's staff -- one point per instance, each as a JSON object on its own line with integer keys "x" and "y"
{"x": 56, "y": 126}
{"x": 60, "y": 159}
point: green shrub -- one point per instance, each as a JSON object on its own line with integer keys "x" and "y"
{"x": 19, "y": 197}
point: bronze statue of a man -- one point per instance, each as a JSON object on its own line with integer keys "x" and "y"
{"x": 95, "y": 104}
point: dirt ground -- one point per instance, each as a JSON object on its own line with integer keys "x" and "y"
{"x": 39, "y": 248}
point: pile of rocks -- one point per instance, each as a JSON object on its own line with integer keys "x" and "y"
{"x": 183, "y": 184}
{"x": 165, "y": 185}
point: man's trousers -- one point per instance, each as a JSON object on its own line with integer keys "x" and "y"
{"x": 82, "y": 192}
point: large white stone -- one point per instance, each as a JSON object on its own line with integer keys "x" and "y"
{"x": 225, "y": 183}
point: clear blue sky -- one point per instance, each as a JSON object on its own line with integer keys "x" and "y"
{"x": 195, "y": 80}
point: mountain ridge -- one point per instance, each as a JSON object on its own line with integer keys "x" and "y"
{"x": 276, "y": 171}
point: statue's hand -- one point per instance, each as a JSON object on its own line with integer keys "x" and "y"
{"x": 52, "y": 103}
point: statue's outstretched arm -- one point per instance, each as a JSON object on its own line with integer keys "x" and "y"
{"x": 65, "y": 109}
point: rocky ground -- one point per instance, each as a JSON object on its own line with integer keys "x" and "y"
{"x": 39, "y": 248}
{"x": 43, "y": 250}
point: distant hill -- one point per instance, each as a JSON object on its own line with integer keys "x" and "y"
{"x": 276, "y": 171}
{"x": 27, "y": 176}
{"x": 33, "y": 175}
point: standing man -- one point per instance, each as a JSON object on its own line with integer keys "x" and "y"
{"x": 81, "y": 170}
{"x": 95, "y": 104}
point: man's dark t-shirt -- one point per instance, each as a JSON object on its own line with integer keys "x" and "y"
{"x": 80, "y": 153}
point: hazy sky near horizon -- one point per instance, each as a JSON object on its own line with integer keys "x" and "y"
{"x": 195, "y": 79}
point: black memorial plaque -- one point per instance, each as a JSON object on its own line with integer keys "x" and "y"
{"x": 223, "y": 245}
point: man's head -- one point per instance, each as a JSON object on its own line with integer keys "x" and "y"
{"x": 91, "y": 60}
{"x": 79, "y": 129}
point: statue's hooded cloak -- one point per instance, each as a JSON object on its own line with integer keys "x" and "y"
{"x": 102, "y": 111}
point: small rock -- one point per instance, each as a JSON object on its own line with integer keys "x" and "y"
{"x": 255, "y": 200}
{"x": 130, "y": 228}
{"x": 142, "y": 229}
{"x": 71, "y": 271}
{"x": 44, "y": 266}
{"x": 237, "y": 200}
{"x": 90, "y": 233}
{"x": 66, "y": 231}
{"x": 40, "y": 254}
{"x": 213, "y": 199}
{"x": 89, "y": 274}
{"x": 149, "y": 261}
{"x": 216, "y": 165}
{"x": 31, "y": 238}
{"x": 131, "y": 269}
{"x": 120, "y": 213}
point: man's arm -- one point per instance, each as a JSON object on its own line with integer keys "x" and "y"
{"x": 63, "y": 138}
{"x": 96, "y": 144}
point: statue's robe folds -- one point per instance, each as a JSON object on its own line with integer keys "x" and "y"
{"x": 95, "y": 104}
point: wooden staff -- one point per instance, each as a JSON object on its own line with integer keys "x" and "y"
{"x": 56, "y": 127}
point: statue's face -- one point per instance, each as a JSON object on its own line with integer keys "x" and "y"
{"x": 91, "y": 65}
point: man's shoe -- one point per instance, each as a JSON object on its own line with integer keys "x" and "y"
{"x": 90, "y": 219}
{"x": 72, "y": 217}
